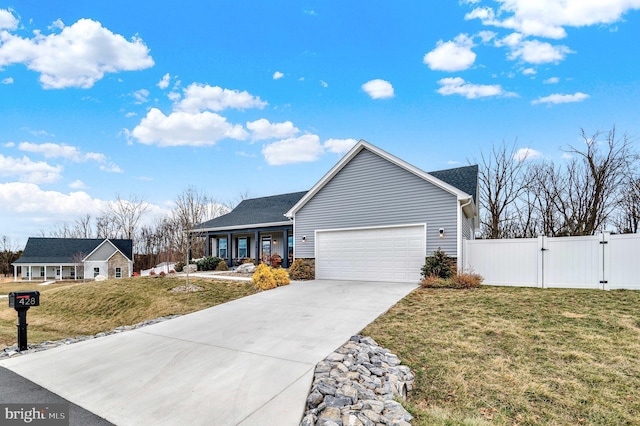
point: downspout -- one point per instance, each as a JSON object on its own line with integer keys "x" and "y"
{"x": 460, "y": 241}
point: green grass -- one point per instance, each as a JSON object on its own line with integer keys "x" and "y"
{"x": 74, "y": 309}
{"x": 513, "y": 356}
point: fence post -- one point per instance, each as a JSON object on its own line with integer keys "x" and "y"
{"x": 606, "y": 261}
{"x": 540, "y": 259}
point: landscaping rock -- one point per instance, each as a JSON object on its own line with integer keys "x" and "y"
{"x": 357, "y": 385}
{"x": 246, "y": 268}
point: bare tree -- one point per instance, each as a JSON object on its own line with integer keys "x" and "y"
{"x": 501, "y": 184}
{"x": 627, "y": 220}
{"x": 82, "y": 227}
{"x": 125, "y": 215}
{"x": 594, "y": 178}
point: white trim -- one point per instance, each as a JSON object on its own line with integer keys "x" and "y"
{"x": 236, "y": 227}
{"x": 100, "y": 245}
{"x": 385, "y": 155}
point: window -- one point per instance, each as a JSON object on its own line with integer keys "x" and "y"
{"x": 222, "y": 248}
{"x": 118, "y": 272}
{"x": 96, "y": 272}
{"x": 42, "y": 271}
{"x": 242, "y": 248}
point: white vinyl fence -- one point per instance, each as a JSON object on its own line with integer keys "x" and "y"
{"x": 605, "y": 261}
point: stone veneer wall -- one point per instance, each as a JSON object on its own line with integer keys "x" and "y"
{"x": 118, "y": 261}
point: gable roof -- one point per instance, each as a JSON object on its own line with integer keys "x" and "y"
{"x": 66, "y": 250}
{"x": 254, "y": 212}
{"x": 446, "y": 180}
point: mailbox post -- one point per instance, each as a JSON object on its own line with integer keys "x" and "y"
{"x": 21, "y": 301}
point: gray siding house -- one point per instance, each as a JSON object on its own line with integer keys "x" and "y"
{"x": 74, "y": 258}
{"x": 373, "y": 217}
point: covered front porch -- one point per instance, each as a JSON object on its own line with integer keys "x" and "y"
{"x": 45, "y": 272}
{"x": 260, "y": 244}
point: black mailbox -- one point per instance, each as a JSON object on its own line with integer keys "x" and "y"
{"x": 24, "y": 299}
{"x": 21, "y": 301}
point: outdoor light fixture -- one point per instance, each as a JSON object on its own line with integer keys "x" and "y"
{"x": 441, "y": 232}
{"x": 304, "y": 238}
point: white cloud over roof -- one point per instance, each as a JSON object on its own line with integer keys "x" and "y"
{"x": 305, "y": 148}
{"x": 185, "y": 129}
{"x": 263, "y": 129}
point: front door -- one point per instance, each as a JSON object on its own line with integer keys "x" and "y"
{"x": 266, "y": 249}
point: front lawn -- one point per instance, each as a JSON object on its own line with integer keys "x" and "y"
{"x": 514, "y": 356}
{"x": 75, "y": 309}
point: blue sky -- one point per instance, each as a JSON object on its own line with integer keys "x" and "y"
{"x": 146, "y": 99}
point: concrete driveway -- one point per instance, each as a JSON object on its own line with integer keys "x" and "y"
{"x": 246, "y": 362}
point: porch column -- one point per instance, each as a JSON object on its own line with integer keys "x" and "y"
{"x": 285, "y": 245}
{"x": 257, "y": 253}
{"x": 30, "y": 273}
{"x": 15, "y": 273}
{"x": 229, "y": 246}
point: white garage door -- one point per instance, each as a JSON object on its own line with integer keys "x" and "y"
{"x": 371, "y": 254}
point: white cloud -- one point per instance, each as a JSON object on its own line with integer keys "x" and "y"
{"x": 324, "y": 84}
{"x": 262, "y": 129}
{"x": 54, "y": 150}
{"x": 7, "y": 20}
{"x": 277, "y": 75}
{"x": 529, "y": 71}
{"x": 201, "y": 97}
{"x": 8, "y": 80}
{"x": 164, "y": 83}
{"x": 339, "y": 146}
{"x": 305, "y": 148}
{"x": 141, "y": 96}
{"x": 77, "y": 56}
{"x": 29, "y": 171}
{"x": 378, "y": 89}
{"x": 551, "y": 80}
{"x": 558, "y": 98}
{"x": 453, "y": 55}
{"x": 182, "y": 128}
{"x": 28, "y": 198}
{"x": 538, "y": 52}
{"x": 458, "y": 86}
{"x": 547, "y": 18}
{"x": 77, "y": 184}
{"x": 111, "y": 168}
{"x": 130, "y": 114}
{"x": 526, "y": 154}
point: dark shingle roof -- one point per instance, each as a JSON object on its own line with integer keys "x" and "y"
{"x": 63, "y": 250}
{"x": 463, "y": 178}
{"x": 256, "y": 211}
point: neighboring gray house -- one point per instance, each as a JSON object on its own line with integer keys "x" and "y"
{"x": 74, "y": 258}
{"x": 372, "y": 217}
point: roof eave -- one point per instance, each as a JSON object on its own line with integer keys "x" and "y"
{"x": 236, "y": 227}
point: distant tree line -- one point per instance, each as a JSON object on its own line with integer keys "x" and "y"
{"x": 156, "y": 240}
{"x": 596, "y": 188}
